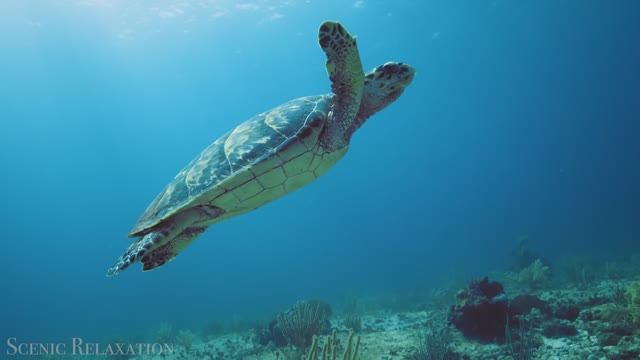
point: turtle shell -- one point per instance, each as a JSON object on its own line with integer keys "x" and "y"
{"x": 251, "y": 144}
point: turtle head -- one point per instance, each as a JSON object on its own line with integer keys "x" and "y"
{"x": 382, "y": 86}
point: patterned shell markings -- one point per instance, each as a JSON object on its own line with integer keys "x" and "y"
{"x": 244, "y": 146}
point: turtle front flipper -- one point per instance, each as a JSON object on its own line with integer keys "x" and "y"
{"x": 347, "y": 81}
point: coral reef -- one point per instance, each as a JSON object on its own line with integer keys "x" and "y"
{"x": 559, "y": 328}
{"x": 270, "y": 334}
{"x": 481, "y": 311}
{"x": 633, "y": 292}
{"x": 353, "y": 321}
{"x": 185, "y": 338}
{"x": 593, "y": 316}
{"x": 164, "y": 334}
{"x": 534, "y": 276}
{"x": 434, "y": 343}
{"x": 523, "y": 304}
{"x": 522, "y": 342}
{"x": 568, "y": 312}
{"x": 330, "y": 349}
{"x": 304, "y": 320}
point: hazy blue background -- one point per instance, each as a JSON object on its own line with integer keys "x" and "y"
{"x": 524, "y": 118}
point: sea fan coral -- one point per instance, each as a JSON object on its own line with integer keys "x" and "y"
{"x": 535, "y": 275}
{"x": 304, "y": 320}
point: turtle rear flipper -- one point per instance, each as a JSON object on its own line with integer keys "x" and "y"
{"x": 167, "y": 232}
{"x": 171, "y": 249}
{"x": 138, "y": 249}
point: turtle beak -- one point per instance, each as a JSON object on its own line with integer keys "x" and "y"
{"x": 407, "y": 72}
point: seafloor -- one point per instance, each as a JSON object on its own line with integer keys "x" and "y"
{"x": 576, "y": 309}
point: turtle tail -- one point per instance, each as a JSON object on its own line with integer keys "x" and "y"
{"x": 136, "y": 251}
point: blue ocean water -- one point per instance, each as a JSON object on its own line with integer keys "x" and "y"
{"x": 523, "y": 119}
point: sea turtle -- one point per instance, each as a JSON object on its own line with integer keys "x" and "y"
{"x": 267, "y": 156}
